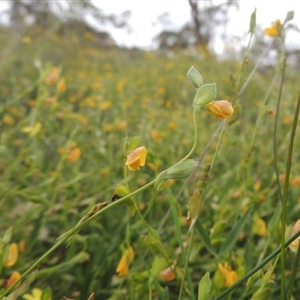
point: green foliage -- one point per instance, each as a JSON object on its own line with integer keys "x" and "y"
{"x": 66, "y": 107}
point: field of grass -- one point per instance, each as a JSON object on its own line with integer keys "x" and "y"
{"x": 70, "y": 113}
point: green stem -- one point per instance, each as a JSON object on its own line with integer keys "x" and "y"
{"x": 294, "y": 273}
{"x": 285, "y": 197}
{"x": 186, "y": 264}
{"x": 283, "y": 61}
{"x": 257, "y": 268}
{"x": 195, "y": 138}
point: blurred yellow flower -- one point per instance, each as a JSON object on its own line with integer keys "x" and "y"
{"x": 259, "y": 227}
{"x": 136, "y": 158}
{"x": 36, "y": 294}
{"x": 74, "y": 155}
{"x": 156, "y": 136}
{"x": 32, "y": 130}
{"x": 295, "y": 244}
{"x": 53, "y": 76}
{"x": 12, "y": 279}
{"x": 228, "y": 274}
{"x": 126, "y": 259}
{"x": 105, "y": 105}
{"x": 12, "y": 256}
{"x": 220, "y": 109}
{"x": 274, "y": 30}
{"x": 61, "y": 85}
{"x": 8, "y": 119}
{"x": 22, "y": 246}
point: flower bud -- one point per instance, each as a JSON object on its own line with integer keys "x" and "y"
{"x": 220, "y": 109}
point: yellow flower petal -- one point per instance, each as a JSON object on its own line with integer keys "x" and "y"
{"x": 220, "y": 109}
{"x": 122, "y": 268}
{"x": 12, "y": 256}
{"x": 12, "y": 279}
{"x": 136, "y": 158}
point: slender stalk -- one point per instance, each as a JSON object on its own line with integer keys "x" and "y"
{"x": 186, "y": 264}
{"x": 283, "y": 62}
{"x": 285, "y": 197}
{"x": 257, "y": 268}
{"x": 294, "y": 273}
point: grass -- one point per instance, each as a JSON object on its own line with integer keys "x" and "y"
{"x": 59, "y": 180}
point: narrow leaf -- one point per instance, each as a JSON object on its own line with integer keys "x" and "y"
{"x": 205, "y": 238}
{"x": 234, "y": 234}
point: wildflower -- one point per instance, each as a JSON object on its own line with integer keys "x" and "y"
{"x": 259, "y": 227}
{"x": 136, "y": 158}
{"x": 73, "y": 155}
{"x": 295, "y": 181}
{"x": 167, "y": 274}
{"x": 53, "y": 76}
{"x": 36, "y": 294}
{"x": 61, "y": 86}
{"x": 12, "y": 279}
{"x": 156, "y": 136}
{"x": 274, "y": 30}
{"x": 12, "y": 256}
{"x": 228, "y": 274}
{"x": 295, "y": 244}
{"x": 22, "y": 246}
{"x": 73, "y": 152}
{"x": 32, "y": 130}
{"x": 220, "y": 109}
{"x": 126, "y": 259}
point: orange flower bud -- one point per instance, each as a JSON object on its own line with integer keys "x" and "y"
{"x": 220, "y": 109}
{"x": 167, "y": 274}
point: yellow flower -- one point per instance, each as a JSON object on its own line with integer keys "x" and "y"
{"x": 229, "y": 275}
{"x": 36, "y": 294}
{"x": 136, "y": 158}
{"x": 73, "y": 155}
{"x": 126, "y": 259}
{"x": 274, "y": 30}
{"x": 32, "y": 130}
{"x": 12, "y": 256}
{"x": 167, "y": 274}
{"x": 12, "y": 279}
{"x": 53, "y": 76}
{"x": 295, "y": 244}
{"x": 259, "y": 227}
{"x": 220, "y": 109}
{"x": 61, "y": 86}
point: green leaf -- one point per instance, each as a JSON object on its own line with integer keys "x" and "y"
{"x": 204, "y": 287}
{"x": 178, "y": 171}
{"x": 205, "y": 238}
{"x": 122, "y": 191}
{"x": 47, "y": 294}
{"x": 205, "y": 94}
{"x": 158, "y": 265}
{"x": 195, "y": 77}
{"x": 252, "y": 22}
{"x": 289, "y": 16}
{"x": 7, "y": 236}
{"x": 234, "y": 234}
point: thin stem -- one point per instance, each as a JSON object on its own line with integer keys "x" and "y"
{"x": 294, "y": 273}
{"x": 186, "y": 263}
{"x": 257, "y": 268}
{"x": 195, "y": 139}
{"x": 285, "y": 197}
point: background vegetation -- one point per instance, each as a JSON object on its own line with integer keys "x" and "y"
{"x": 70, "y": 96}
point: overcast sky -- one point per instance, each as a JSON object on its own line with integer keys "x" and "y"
{"x": 145, "y": 13}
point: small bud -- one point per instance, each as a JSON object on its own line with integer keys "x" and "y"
{"x": 195, "y": 77}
